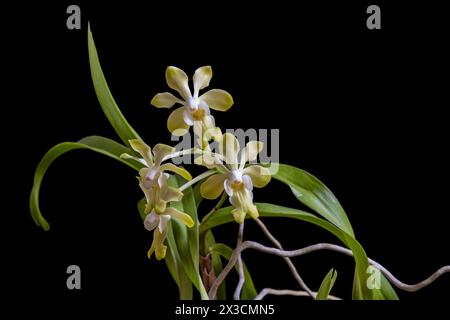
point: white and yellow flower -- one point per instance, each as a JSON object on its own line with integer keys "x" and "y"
{"x": 152, "y": 160}
{"x": 194, "y": 108}
{"x": 153, "y": 182}
{"x": 158, "y": 223}
{"x": 234, "y": 177}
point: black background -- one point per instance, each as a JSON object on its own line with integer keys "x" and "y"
{"x": 363, "y": 110}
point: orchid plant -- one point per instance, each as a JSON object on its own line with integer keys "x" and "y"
{"x": 183, "y": 236}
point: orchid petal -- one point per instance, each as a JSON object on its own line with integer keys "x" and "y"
{"x": 212, "y": 188}
{"x": 183, "y": 217}
{"x": 175, "y": 169}
{"x": 209, "y": 160}
{"x": 171, "y": 194}
{"x": 160, "y": 248}
{"x": 229, "y": 148}
{"x": 143, "y": 149}
{"x": 165, "y": 100}
{"x": 163, "y": 220}
{"x": 260, "y": 176}
{"x": 202, "y": 77}
{"x": 218, "y": 99}
{"x": 160, "y": 151}
{"x": 176, "y": 124}
{"x": 178, "y": 80}
{"x": 250, "y": 152}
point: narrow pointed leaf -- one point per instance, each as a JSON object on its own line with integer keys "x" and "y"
{"x": 105, "y": 98}
{"x": 98, "y": 144}
{"x": 327, "y": 285}
{"x": 314, "y": 194}
{"x": 176, "y": 263}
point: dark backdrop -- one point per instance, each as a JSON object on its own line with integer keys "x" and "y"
{"x": 365, "y": 111}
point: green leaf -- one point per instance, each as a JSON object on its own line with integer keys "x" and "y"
{"x": 197, "y": 195}
{"x": 98, "y": 144}
{"x": 248, "y": 290}
{"x": 223, "y": 216}
{"x": 327, "y": 285}
{"x": 141, "y": 208}
{"x": 175, "y": 262}
{"x": 187, "y": 239}
{"x": 173, "y": 268}
{"x": 189, "y": 206}
{"x": 357, "y": 293}
{"x": 107, "y": 102}
{"x": 386, "y": 291}
{"x": 314, "y": 194}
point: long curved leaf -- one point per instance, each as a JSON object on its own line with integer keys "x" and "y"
{"x": 314, "y": 194}
{"x": 98, "y": 144}
{"x": 107, "y": 102}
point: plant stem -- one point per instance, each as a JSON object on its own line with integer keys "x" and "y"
{"x": 328, "y": 246}
{"x": 288, "y": 261}
{"x": 202, "y": 236}
{"x": 266, "y": 291}
{"x": 213, "y": 290}
{"x": 237, "y": 292}
{"x": 197, "y": 179}
{"x": 217, "y": 206}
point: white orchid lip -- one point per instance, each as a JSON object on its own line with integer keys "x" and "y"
{"x": 151, "y": 221}
{"x": 236, "y": 181}
{"x": 151, "y": 177}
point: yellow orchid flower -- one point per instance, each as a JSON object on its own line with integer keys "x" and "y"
{"x": 194, "y": 108}
{"x": 152, "y": 160}
{"x": 158, "y": 223}
{"x": 153, "y": 182}
{"x": 158, "y": 213}
{"x": 234, "y": 177}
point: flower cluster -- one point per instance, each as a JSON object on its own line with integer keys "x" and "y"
{"x": 153, "y": 182}
{"x": 230, "y": 173}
